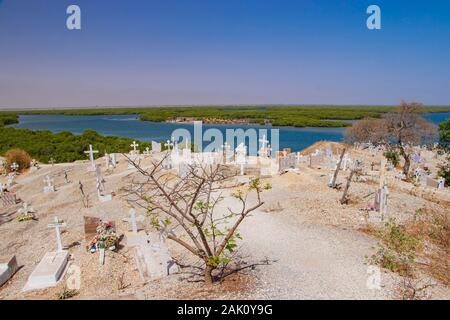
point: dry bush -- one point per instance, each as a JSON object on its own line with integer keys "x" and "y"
{"x": 19, "y": 156}
{"x": 433, "y": 227}
{"x": 397, "y": 250}
{"x": 413, "y": 289}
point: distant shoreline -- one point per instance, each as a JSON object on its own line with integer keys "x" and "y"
{"x": 319, "y": 116}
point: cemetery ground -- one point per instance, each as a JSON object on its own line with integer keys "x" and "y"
{"x": 304, "y": 244}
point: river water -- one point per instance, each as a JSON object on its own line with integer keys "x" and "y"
{"x": 130, "y": 126}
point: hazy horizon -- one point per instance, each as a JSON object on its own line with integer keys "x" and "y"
{"x": 209, "y": 53}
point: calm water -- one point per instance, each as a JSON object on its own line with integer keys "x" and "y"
{"x": 129, "y": 126}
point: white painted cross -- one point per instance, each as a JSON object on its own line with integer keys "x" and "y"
{"x": 14, "y": 166}
{"x": 133, "y": 220}
{"x": 25, "y": 209}
{"x": 58, "y": 225}
{"x": 51, "y": 161}
{"x": 91, "y": 155}
{"x": 264, "y": 142}
{"x": 168, "y": 144}
{"x": 134, "y": 145}
{"x": 48, "y": 181}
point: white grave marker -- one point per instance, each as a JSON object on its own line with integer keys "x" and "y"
{"x": 133, "y": 220}
{"x": 49, "y": 187}
{"x": 91, "y": 152}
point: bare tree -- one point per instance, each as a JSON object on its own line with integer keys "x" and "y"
{"x": 188, "y": 210}
{"x": 396, "y": 130}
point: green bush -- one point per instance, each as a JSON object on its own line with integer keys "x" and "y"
{"x": 63, "y": 146}
{"x": 393, "y": 157}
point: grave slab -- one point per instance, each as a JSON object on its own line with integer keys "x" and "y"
{"x": 8, "y": 267}
{"x": 136, "y": 239}
{"x": 48, "y": 271}
{"x": 104, "y": 198}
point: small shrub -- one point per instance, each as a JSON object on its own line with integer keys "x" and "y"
{"x": 444, "y": 172}
{"x": 19, "y": 156}
{"x": 66, "y": 294}
{"x": 393, "y": 157}
{"x": 397, "y": 250}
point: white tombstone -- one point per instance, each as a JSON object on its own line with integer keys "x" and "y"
{"x": 113, "y": 160}
{"x": 146, "y": 152}
{"x": 14, "y": 167}
{"x": 132, "y": 158}
{"x": 169, "y": 145}
{"x": 49, "y": 187}
{"x": 107, "y": 160}
{"x": 8, "y": 267}
{"x": 57, "y": 225}
{"x": 183, "y": 169}
{"x": 133, "y": 220}
{"x": 134, "y": 145}
{"x": 187, "y": 154}
{"x": 91, "y": 152}
{"x": 441, "y": 183}
{"x": 263, "y": 150}
{"x": 383, "y": 194}
{"x": 102, "y": 197}
{"x": 25, "y": 210}
{"x": 10, "y": 179}
{"x": 241, "y": 156}
{"x": 227, "y": 153}
{"x": 52, "y": 266}
{"x": 156, "y": 147}
{"x": 346, "y": 161}
{"x": 287, "y": 162}
{"x": 167, "y": 162}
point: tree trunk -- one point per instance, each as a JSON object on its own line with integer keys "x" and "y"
{"x": 407, "y": 162}
{"x": 338, "y": 167}
{"x": 347, "y": 186}
{"x": 208, "y": 274}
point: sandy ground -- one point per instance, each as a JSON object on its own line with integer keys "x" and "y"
{"x": 314, "y": 245}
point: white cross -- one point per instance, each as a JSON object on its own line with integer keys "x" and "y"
{"x": 25, "y": 209}
{"x": 48, "y": 181}
{"x": 51, "y": 161}
{"x": 269, "y": 151}
{"x": 168, "y": 144}
{"x": 133, "y": 220}
{"x": 263, "y": 142}
{"x": 14, "y": 166}
{"x": 91, "y": 155}
{"x": 58, "y": 225}
{"x": 134, "y": 145}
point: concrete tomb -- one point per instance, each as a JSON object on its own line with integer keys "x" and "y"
{"x": 156, "y": 146}
{"x": 8, "y": 267}
{"x": 52, "y": 266}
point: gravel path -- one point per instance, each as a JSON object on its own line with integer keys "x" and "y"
{"x": 313, "y": 262}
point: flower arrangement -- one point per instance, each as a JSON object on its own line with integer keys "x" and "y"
{"x": 25, "y": 216}
{"x": 106, "y": 237}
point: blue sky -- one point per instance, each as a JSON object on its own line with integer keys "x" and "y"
{"x": 153, "y": 52}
